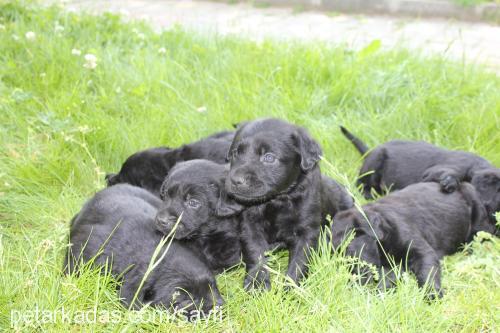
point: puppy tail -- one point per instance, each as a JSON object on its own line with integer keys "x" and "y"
{"x": 360, "y": 146}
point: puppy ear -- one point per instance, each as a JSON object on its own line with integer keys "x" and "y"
{"x": 377, "y": 223}
{"x": 163, "y": 189}
{"x": 235, "y": 140}
{"x": 308, "y": 148}
{"x": 227, "y": 207}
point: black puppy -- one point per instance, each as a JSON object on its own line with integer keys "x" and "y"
{"x": 274, "y": 169}
{"x": 420, "y": 223}
{"x": 148, "y": 168}
{"x": 116, "y": 228}
{"x": 194, "y": 192}
{"x": 397, "y": 164}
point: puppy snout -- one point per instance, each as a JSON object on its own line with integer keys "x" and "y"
{"x": 238, "y": 180}
{"x": 165, "y": 223}
{"x": 220, "y": 301}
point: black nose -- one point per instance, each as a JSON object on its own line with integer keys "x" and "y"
{"x": 165, "y": 221}
{"x": 238, "y": 180}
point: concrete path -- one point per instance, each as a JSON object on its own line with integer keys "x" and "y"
{"x": 474, "y": 42}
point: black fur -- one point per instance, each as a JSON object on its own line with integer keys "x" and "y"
{"x": 397, "y": 164}
{"x": 209, "y": 222}
{"x": 148, "y": 168}
{"x": 273, "y": 169}
{"x": 420, "y": 223}
{"x": 116, "y": 227}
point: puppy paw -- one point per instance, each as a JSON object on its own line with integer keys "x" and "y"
{"x": 434, "y": 295}
{"x": 449, "y": 184}
{"x": 257, "y": 279}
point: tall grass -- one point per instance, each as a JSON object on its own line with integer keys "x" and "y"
{"x": 64, "y": 125}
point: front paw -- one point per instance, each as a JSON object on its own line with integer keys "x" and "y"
{"x": 449, "y": 184}
{"x": 434, "y": 294}
{"x": 257, "y": 279}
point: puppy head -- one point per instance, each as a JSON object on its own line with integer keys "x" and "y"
{"x": 266, "y": 158}
{"x": 182, "y": 282}
{"x": 487, "y": 184}
{"x": 194, "y": 189}
{"x": 351, "y": 220}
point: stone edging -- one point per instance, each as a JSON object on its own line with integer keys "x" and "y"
{"x": 489, "y": 12}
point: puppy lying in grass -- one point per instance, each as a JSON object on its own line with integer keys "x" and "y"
{"x": 397, "y": 164}
{"x": 148, "y": 168}
{"x": 274, "y": 170}
{"x": 416, "y": 226}
{"x": 116, "y": 228}
{"x": 193, "y": 195}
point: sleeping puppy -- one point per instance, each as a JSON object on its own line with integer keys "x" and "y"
{"x": 148, "y": 168}
{"x": 420, "y": 223}
{"x": 194, "y": 192}
{"x": 397, "y": 164}
{"x": 116, "y": 228}
{"x": 274, "y": 170}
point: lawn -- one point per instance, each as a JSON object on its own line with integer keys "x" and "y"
{"x": 64, "y": 124}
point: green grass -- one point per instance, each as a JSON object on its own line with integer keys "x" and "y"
{"x": 63, "y": 126}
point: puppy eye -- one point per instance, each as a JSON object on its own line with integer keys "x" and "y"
{"x": 268, "y": 158}
{"x": 193, "y": 203}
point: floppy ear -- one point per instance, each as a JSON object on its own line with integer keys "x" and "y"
{"x": 163, "y": 189}
{"x": 377, "y": 223}
{"x": 308, "y": 148}
{"x": 227, "y": 207}
{"x": 235, "y": 139}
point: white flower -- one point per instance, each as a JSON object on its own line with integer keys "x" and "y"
{"x": 30, "y": 35}
{"x": 76, "y": 52}
{"x": 162, "y": 50}
{"x": 90, "y": 61}
{"x": 2, "y": 27}
{"x": 202, "y": 109}
{"x": 58, "y": 28}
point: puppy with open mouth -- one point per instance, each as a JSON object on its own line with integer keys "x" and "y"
{"x": 274, "y": 170}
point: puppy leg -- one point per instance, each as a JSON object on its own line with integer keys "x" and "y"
{"x": 298, "y": 253}
{"x": 424, "y": 263}
{"x": 370, "y": 175}
{"x": 253, "y": 247}
{"x": 449, "y": 178}
{"x": 387, "y": 278}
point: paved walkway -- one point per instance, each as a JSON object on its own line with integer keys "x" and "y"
{"x": 475, "y": 42}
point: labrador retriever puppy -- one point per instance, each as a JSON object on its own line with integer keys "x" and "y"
{"x": 397, "y": 164}
{"x": 148, "y": 168}
{"x": 274, "y": 170}
{"x": 193, "y": 195}
{"x": 420, "y": 224}
{"x": 116, "y": 228}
